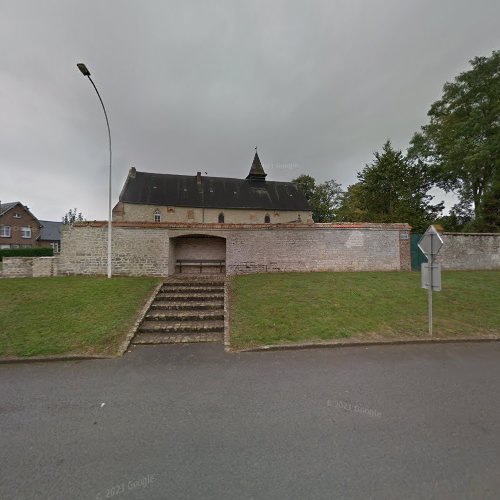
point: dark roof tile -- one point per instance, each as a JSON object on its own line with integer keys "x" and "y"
{"x": 213, "y": 192}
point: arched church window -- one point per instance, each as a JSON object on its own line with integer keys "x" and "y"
{"x": 267, "y": 219}
{"x": 157, "y": 216}
{"x": 221, "y": 218}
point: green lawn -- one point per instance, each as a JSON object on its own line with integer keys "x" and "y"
{"x": 301, "y": 307}
{"x": 84, "y": 315}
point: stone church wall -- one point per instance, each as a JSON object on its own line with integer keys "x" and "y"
{"x": 129, "y": 212}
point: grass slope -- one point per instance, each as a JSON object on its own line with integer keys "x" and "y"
{"x": 302, "y": 307}
{"x": 43, "y": 316}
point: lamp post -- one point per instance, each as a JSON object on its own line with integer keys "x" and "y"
{"x": 86, "y": 72}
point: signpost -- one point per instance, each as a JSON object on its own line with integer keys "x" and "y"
{"x": 430, "y": 244}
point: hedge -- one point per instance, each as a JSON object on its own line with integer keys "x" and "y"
{"x": 26, "y": 252}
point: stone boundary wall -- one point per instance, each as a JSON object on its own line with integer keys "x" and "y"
{"x": 29, "y": 267}
{"x": 149, "y": 249}
{"x": 146, "y": 248}
{"x": 470, "y": 251}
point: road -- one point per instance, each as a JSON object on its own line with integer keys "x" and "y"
{"x": 189, "y": 421}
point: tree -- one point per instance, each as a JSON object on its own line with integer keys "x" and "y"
{"x": 324, "y": 199}
{"x": 391, "y": 189}
{"x": 72, "y": 216}
{"x": 461, "y": 143}
{"x": 489, "y": 216}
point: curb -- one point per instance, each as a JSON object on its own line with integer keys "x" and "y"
{"x": 362, "y": 343}
{"x": 38, "y": 359}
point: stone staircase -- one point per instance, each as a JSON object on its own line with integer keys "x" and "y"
{"x": 189, "y": 309}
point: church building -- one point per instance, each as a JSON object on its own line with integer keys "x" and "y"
{"x": 150, "y": 197}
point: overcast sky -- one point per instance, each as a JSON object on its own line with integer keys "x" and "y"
{"x": 194, "y": 86}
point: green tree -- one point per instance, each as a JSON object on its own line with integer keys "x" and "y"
{"x": 324, "y": 199}
{"x": 72, "y": 216}
{"x": 391, "y": 189}
{"x": 489, "y": 216}
{"x": 461, "y": 142}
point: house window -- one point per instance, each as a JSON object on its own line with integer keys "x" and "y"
{"x": 221, "y": 218}
{"x": 26, "y": 232}
{"x": 2, "y": 247}
{"x": 55, "y": 246}
{"x": 267, "y": 219}
{"x": 17, "y": 216}
{"x": 157, "y": 216}
{"x": 5, "y": 231}
{"x": 25, "y": 246}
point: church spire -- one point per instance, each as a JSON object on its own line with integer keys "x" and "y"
{"x": 256, "y": 170}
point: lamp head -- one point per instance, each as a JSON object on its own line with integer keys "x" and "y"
{"x": 83, "y": 69}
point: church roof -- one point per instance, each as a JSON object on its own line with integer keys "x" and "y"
{"x": 211, "y": 192}
{"x": 256, "y": 170}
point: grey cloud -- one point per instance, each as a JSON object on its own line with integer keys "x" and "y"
{"x": 319, "y": 86}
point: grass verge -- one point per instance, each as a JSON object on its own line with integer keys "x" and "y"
{"x": 282, "y": 308}
{"x": 68, "y": 315}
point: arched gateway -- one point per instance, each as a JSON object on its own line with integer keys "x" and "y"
{"x": 197, "y": 254}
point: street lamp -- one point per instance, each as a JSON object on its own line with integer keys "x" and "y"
{"x": 86, "y": 72}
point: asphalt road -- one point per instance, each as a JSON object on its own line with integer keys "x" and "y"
{"x": 188, "y": 422}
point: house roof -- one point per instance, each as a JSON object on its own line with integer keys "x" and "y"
{"x": 51, "y": 231}
{"x": 5, "y": 207}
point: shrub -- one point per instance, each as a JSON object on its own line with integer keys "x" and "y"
{"x": 26, "y": 252}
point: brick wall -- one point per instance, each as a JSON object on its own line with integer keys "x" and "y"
{"x": 471, "y": 251}
{"x": 17, "y": 218}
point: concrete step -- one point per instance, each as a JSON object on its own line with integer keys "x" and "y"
{"x": 181, "y": 326}
{"x": 178, "y": 316}
{"x": 186, "y": 337}
{"x": 164, "y": 305}
{"x": 193, "y": 283}
{"x": 198, "y": 296}
{"x": 191, "y": 289}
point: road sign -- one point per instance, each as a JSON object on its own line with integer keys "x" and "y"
{"x": 431, "y": 242}
{"x": 435, "y": 278}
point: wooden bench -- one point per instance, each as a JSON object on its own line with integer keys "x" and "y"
{"x": 201, "y": 263}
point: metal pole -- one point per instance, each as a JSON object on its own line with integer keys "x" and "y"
{"x": 430, "y": 264}
{"x": 109, "y": 183}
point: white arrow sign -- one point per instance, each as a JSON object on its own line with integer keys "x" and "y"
{"x": 431, "y": 242}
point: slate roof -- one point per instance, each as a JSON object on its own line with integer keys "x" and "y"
{"x": 51, "y": 231}
{"x": 5, "y": 207}
{"x": 256, "y": 170}
{"x": 212, "y": 192}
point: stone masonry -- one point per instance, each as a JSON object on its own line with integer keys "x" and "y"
{"x": 152, "y": 249}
